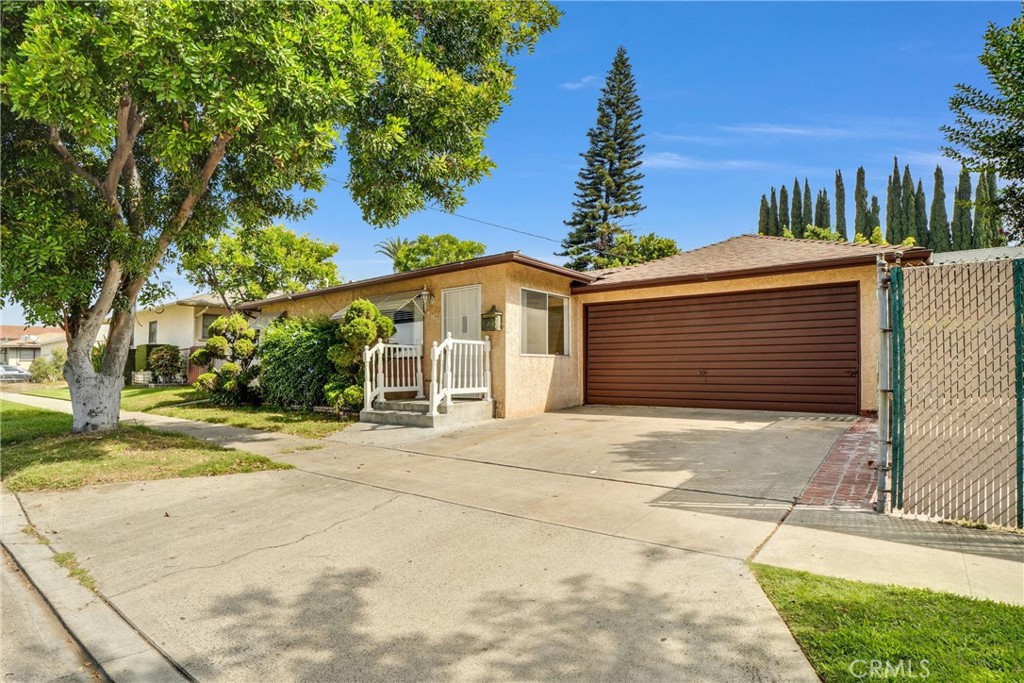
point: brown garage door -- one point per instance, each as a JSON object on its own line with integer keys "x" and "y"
{"x": 793, "y": 349}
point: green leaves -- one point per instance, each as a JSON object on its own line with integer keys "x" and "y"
{"x": 426, "y": 251}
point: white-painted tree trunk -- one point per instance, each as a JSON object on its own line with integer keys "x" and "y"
{"x": 95, "y": 396}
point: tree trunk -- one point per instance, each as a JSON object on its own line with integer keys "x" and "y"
{"x": 95, "y": 396}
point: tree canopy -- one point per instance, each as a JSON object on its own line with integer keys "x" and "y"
{"x": 988, "y": 132}
{"x": 426, "y": 251}
{"x": 132, "y": 129}
{"x": 250, "y": 263}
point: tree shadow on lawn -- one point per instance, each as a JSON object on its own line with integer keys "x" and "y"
{"x": 345, "y": 625}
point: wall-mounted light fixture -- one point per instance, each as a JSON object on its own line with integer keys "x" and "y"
{"x": 491, "y": 320}
{"x": 427, "y": 298}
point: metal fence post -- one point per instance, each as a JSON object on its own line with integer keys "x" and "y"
{"x": 884, "y": 386}
{"x": 1018, "y": 328}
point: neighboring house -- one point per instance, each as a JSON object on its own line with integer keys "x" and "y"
{"x": 976, "y": 255}
{"x": 21, "y": 344}
{"x": 752, "y": 322}
{"x": 183, "y": 323}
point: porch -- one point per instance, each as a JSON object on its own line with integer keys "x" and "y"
{"x": 450, "y": 386}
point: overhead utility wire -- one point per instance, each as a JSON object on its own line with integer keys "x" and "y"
{"x": 515, "y": 230}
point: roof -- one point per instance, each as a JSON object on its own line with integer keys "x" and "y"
{"x": 747, "y": 256}
{"x": 481, "y": 262}
{"x": 974, "y": 255}
{"x": 197, "y": 300}
{"x": 16, "y": 332}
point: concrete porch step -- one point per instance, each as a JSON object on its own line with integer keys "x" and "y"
{"x": 413, "y": 413}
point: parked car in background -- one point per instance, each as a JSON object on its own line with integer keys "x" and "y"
{"x": 9, "y": 373}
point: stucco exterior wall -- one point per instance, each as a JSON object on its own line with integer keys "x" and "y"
{"x": 177, "y": 325}
{"x": 864, "y": 276}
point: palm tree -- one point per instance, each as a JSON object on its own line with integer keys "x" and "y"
{"x": 393, "y": 247}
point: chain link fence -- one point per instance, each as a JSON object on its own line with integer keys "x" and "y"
{"x": 958, "y": 391}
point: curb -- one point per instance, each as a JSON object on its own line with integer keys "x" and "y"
{"x": 121, "y": 653}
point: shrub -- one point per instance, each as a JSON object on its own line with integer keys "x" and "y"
{"x": 165, "y": 362}
{"x": 232, "y": 383}
{"x": 295, "y": 362}
{"x": 142, "y": 352}
{"x": 362, "y": 326}
{"x": 97, "y": 355}
{"x": 353, "y": 397}
{"x": 49, "y": 368}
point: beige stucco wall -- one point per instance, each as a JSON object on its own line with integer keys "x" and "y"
{"x": 177, "y": 325}
{"x": 864, "y": 276}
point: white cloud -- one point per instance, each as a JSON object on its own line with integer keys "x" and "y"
{"x": 792, "y": 130}
{"x": 679, "y": 162}
{"x": 711, "y": 140}
{"x": 586, "y": 81}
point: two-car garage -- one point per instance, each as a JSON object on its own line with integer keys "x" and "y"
{"x": 795, "y": 349}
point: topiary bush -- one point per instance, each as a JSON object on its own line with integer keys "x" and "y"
{"x": 165, "y": 362}
{"x": 294, "y": 362}
{"x": 233, "y": 382}
{"x": 362, "y": 326}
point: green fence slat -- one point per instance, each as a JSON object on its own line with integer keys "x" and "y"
{"x": 898, "y": 367}
{"x": 1018, "y": 327}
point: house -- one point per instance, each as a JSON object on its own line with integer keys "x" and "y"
{"x": 182, "y": 323}
{"x": 753, "y": 322}
{"x": 22, "y": 344}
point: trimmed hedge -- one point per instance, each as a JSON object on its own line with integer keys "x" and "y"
{"x": 294, "y": 364}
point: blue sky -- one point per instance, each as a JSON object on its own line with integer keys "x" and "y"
{"x": 737, "y": 97}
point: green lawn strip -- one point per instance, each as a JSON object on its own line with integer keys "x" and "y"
{"x": 168, "y": 401}
{"x": 56, "y": 460}
{"x": 841, "y": 623}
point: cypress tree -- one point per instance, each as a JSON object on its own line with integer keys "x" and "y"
{"x": 822, "y": 210}
{"x": 608, "y": 188}
{"x": 860, "y": 206}
{"x": 983, "y": 235}
{"x": 773, "y": 216}
{"x": 921, "y": 224}
{"x": 796, "y": 224}
{"x": 840, "y": 206}
{"x": 762, "y": 219}
{"x": 808, "y": 218}
{"x": 874, "y": 216}
{"x": 961, "y": 224}
{"x": 993, "y": 195}
{"x": 783, "y": 209}
{"x": 908, "y": 204}
{"x": 893, "y": 213}
{"x": 938, "y": 228}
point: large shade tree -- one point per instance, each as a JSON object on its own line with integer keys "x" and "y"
{"x": 132, "y": 128}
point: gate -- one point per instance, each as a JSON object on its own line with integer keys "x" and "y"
{"x": 957, "y": 391}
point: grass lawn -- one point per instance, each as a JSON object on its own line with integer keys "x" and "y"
{"x": 841, "y": 623}
{"x": 39, "y": 453}
{"x": 167, "y": 400}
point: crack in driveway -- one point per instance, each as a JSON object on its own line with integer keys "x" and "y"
{"x": 253, "y": 551}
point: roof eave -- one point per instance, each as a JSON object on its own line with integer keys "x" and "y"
{"x": 911, "y": 254}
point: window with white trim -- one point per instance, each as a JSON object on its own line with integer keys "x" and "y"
{"x": 545, "y": 323}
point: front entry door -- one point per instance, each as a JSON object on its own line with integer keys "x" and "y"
{"x": 460, "y": 313}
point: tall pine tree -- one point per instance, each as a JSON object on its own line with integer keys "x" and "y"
{"x": 762, "y": 218}
{"x": 796, "y": 223}
{"x": 841, "y": 206}
{"x": 961, "y": 227}
{"x": 608, "y": 188}
{"x": 860, "y": 206}
{"x": 921, "y": 213}
{"x": 893, "y": 206}
{"x": 984, "y": 235}
{"x": 783, "y": 209}
{"x": 773, "y": 216}
{"x": 808, "y": 218}
{"x": 938, "y": 227}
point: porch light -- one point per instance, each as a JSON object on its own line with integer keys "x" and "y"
{"x": 491, "y": 320}
{"x": 427, "y": 298}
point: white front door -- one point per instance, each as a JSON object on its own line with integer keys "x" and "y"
{"x": 460, "y": 313}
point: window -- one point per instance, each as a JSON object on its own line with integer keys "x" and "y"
{"x": 27, "y": 354}
{"x": 545, "y": 324}
{"x": 208, "y": 319}
{"x": 152, "y": 332}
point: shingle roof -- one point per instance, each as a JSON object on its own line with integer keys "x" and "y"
{"x": 199, "y": 300}
{"x": 973, "y": 255}
{"x": 16, "y": 332}
{"x": 747, "y": 254}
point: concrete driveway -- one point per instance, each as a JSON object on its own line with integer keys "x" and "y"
{"x": 592, "y": 544}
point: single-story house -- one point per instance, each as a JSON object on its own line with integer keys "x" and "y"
{"x": 22, "y": 344}
{"x": 182, "y": 323}
{"x": 752, "y": 322}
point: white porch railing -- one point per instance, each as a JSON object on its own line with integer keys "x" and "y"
{"x": 391, "y": 368}
{"x": 459, "y": 367}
